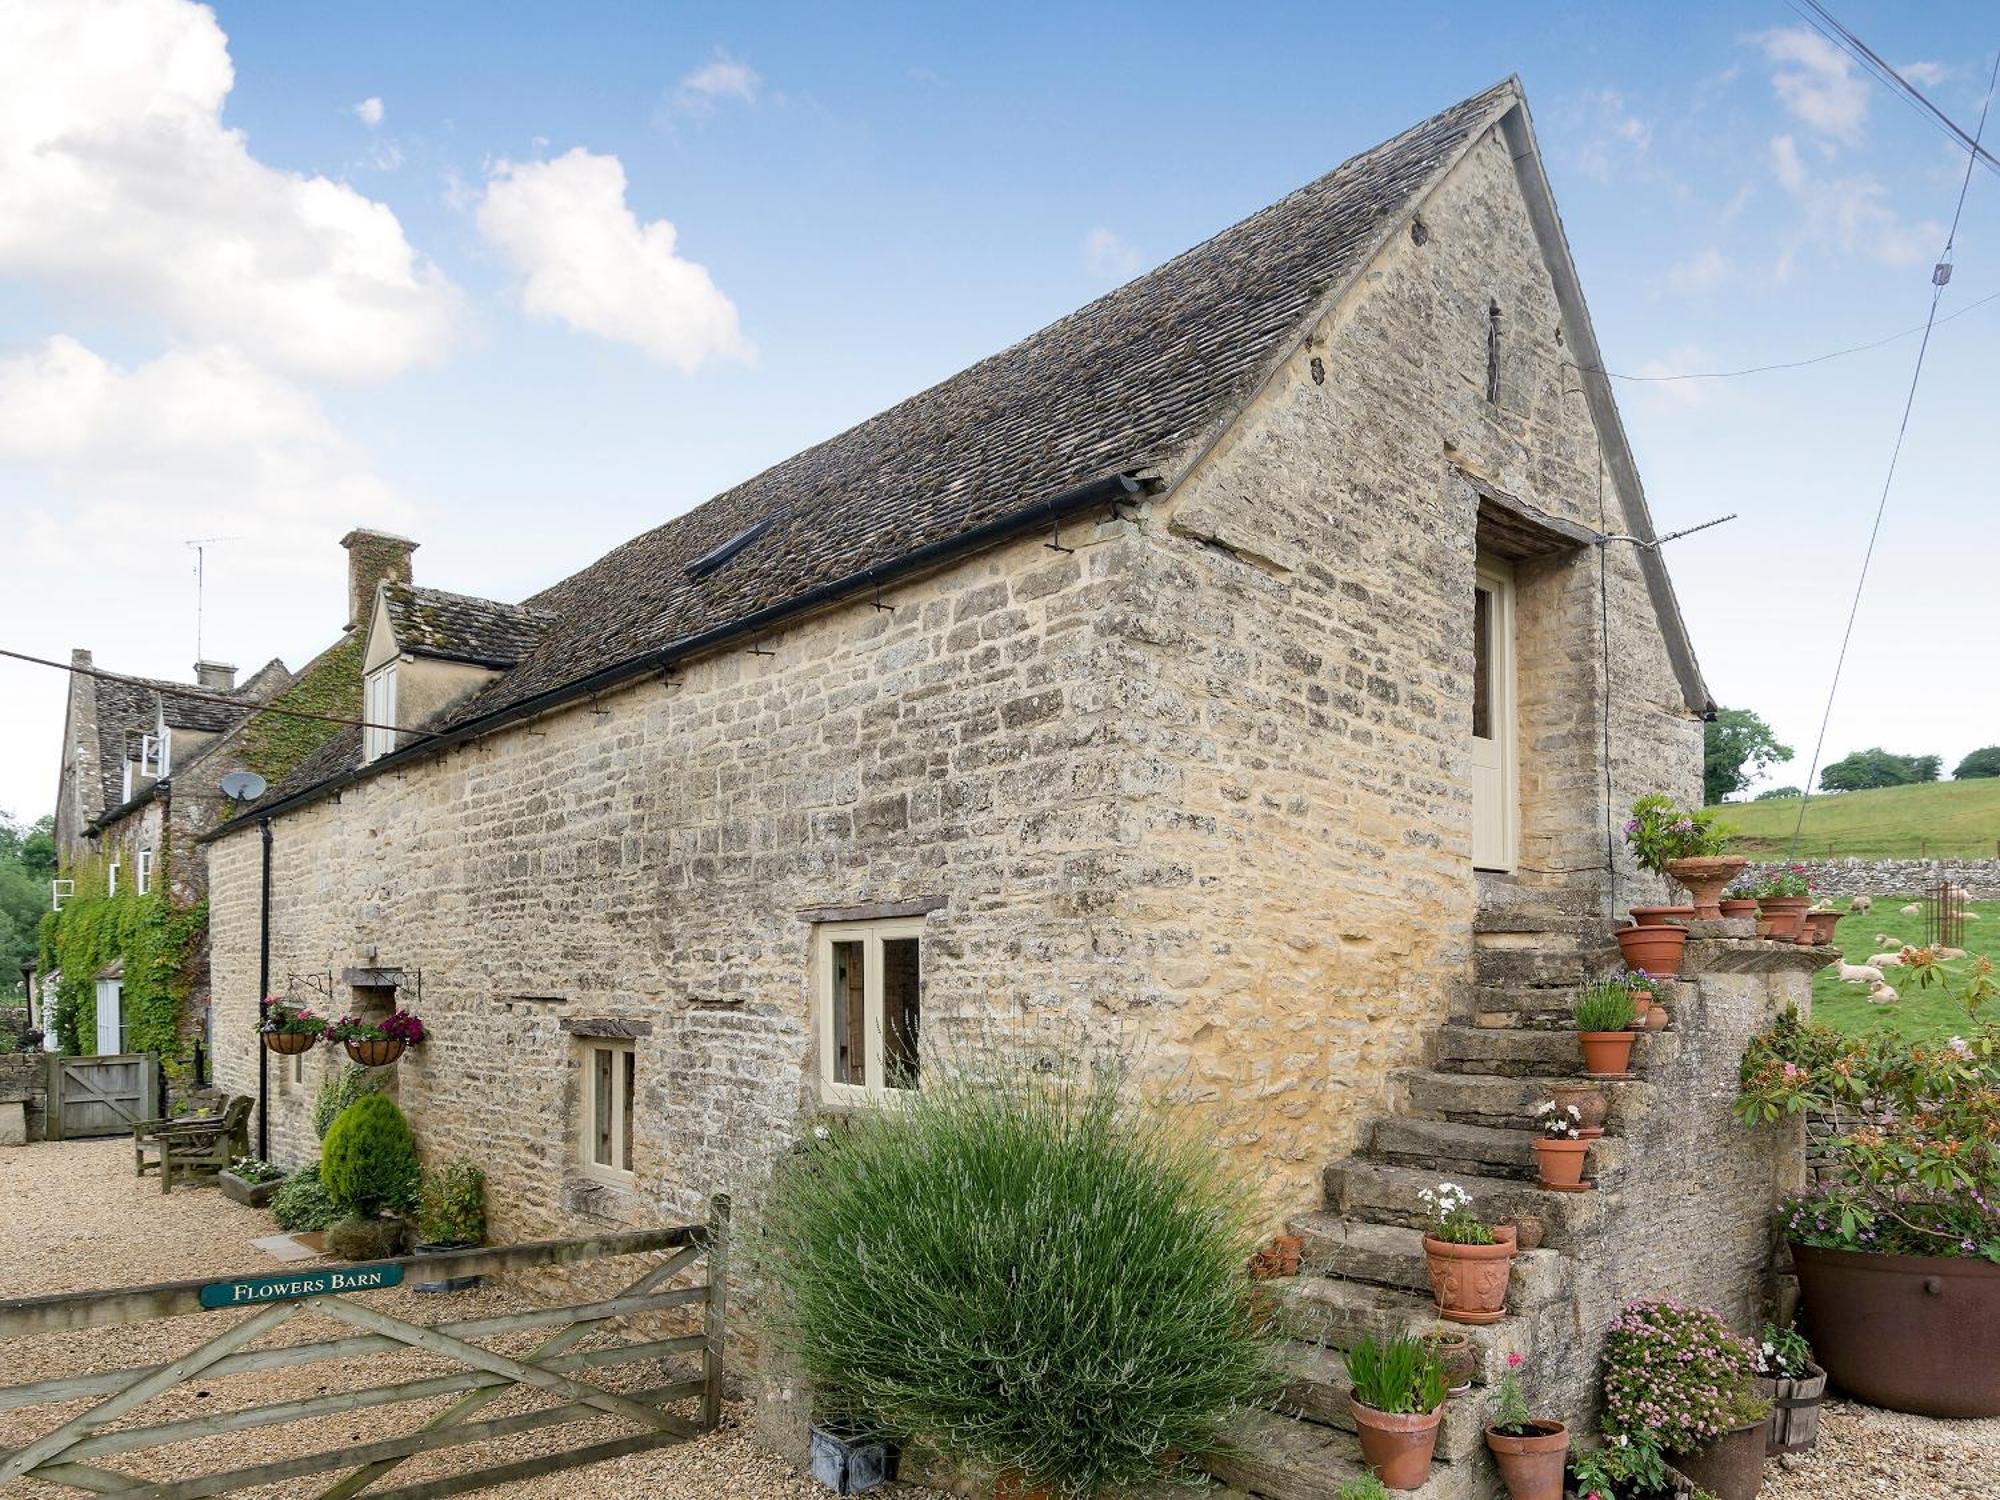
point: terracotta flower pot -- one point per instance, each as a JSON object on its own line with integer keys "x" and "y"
{"x": 1606, "y": 1054}
{"x": 375, "y": 1054}
{"x": 1592, "y": 1108}
{"x": 1731, "y": 1467}
{"x": 1821, "y": 924}
{"x": 1660, "y": 916}
{"x": 1738, "y": 908}
{"x": 1657, "y": 950}
{"x": 1531, "y": 1464}
{"x": 1642, "y": 1006}
{"x": 1396, "y": 1446}
{"x": 1785, "y": 914}
{"x": 1529, "y": 1231}
{"x": 1706, "y": 879}
{"x": 288, "y": 1043}
{"x": 1469, "y": 1282}
{"x": 1658, "y": 1017}
{"x": 1560, "y": 1162}
{"x": 1460, "y": 1360}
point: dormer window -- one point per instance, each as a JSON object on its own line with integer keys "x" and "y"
{"x": 378, "y": 708}
{"x": 154, "y": 750}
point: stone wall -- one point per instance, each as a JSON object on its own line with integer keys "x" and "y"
{"x": 24, "y": 1097}
{"x": 1905, "y": 879}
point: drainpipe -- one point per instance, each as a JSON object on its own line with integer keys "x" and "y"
{"x": 263, "y": 989}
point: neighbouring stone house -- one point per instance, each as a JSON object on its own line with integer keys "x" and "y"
{"x": 1251, "y": 666}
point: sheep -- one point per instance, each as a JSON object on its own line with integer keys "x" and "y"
{"x": 1970, "y": 916}
{"x": 1860, "y": 903}
{"x": 1913, "y": 910}
{"x": 1883, "y": 940}
{"x": 1887, "y": 960}
{"x": 1882, "y": 994}
{"x": 1943, "y": 952}
{"x": 1859, "y": 973}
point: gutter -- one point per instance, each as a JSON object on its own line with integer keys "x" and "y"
{"x": 650, "y": 663}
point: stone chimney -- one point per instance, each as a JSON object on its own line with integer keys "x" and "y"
{"x": 372, "y": 556}
{"x": 216, "y": 676}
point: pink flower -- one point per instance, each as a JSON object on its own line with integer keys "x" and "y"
{"x": 1513, "y": 1361}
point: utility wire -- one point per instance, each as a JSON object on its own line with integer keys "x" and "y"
{"x": 1940, "y": 279}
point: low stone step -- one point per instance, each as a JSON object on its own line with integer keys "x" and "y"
{"x": 1391, "y": 1255}
{"x": 1537, "y": 966}
{"x": 1279, "y": 1458}
{"x": 1540, "y": 1007}
{"x": 1387, "y": 1194}
{"x": 1529, "y": 1052}
{"x": 1509, "y": 1101}
{"x": 1325, "y": 1312}
{"x": 1450, "y": 1146}
{"x": 1317, "y": 1387}
{"x": 1498, "y": 895}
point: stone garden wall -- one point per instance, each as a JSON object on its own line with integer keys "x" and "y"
{"x": 1908, "y": 879}
{"x": 24, "y": 1097}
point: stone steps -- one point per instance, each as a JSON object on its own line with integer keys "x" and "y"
{"x": 1316, "y": 1390}
{"x": 1505, "y": 1100}
{"x": 1325, "y": 1312}
{"x": 1498, "y": 896}
{"x": 1492, "y": 1150}
{"x": 1283, "y": 1459}
{"x": 1384, "y": 1193}
{"x": 1523, "y": 1052}
{"x": 1544, "y": 1007}
{"x": 1392, "y": 1256}
{"x": 1535, "y": 964}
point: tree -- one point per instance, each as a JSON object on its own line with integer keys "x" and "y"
{"x": 1737, "y": 748}
{"x": 1876, "y": 767}
{"x": 1772, "y": 794}
{"x": 1979, "y": 763}
{"x": 27, "y": 860}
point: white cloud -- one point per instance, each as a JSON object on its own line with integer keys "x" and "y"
{"x": 1847, "y": 212}
{"x": 1816, "y": 82}
{"x": 1925, "y": 74}
{"x": 1661, "y": 384}
{"x": 369, "y": 112}
{"x": 1109, "y": 256}
{"x": 587, "y": 261}
{"x": 120, "y": 183}
{"x": 1610, "y": 134}
{"x": 1703, "y": 271}
{"x": 719, "y": 79}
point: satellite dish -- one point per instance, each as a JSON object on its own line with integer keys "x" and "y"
{"x": 243, "y": 786}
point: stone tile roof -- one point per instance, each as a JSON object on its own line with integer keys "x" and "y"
{"x": 461, "y": 627}
{"x": 130, "y": 708}
{"x": 1128, "y": 384}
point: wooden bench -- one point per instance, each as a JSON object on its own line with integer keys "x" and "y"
{"x": 198, "y": 1143}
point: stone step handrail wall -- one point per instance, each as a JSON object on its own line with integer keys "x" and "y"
{"x": 1905, "y": 878}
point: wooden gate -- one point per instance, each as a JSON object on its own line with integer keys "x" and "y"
{"x": 101, "y": 1095}
{"x": 67, "y": 1454}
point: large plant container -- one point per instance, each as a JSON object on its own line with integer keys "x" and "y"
{"x": 1820, "y": 925}
{"x": 1469, "y": 1282}
{"x": 1783, "y": 916}
{"x": 1660, "y": 916}
{"x": 449, "y": 1283}
{"x": 288, "y": 1043}
{"x": 377, "y": 1053}
{"x": 1913, "y": 1333}
{"x": 1607, "y": 1054}
{"x": 1731, "y": 1467}
{"x": 1705, "y": 880}
{"x": 1397, "y": 1446}
{"x": 1657, "y": 950}
{"x": 243, "y": 1190}
{"x": 1531, "y": 1464}
{"x": 1795, "y": 1408}
{"x": 849, "y": 1463}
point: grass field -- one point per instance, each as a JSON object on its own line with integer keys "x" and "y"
{"x": 1952, "y": 819}
{"x": 1920, "y": 1014}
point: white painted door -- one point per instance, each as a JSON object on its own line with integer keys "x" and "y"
{"x": 110, "y": 1017}
{"x": 1495, "y": 790}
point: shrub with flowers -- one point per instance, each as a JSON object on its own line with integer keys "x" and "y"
{"x": 1783, "y": 1354}
{"x": 1676, "y": 1377}
{"x": 1452, "y": 1219}
{"x": 277, "y": 1016}
{"x": 1559, "y": 1122}
{"x": 1659, "y": 831}
{"x": 1918, "y": 1154}
{"x": 1789, "y": 883}
{"x": 402, "y": 1026}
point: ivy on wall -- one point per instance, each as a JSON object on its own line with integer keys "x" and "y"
{"x": 329, "y": 684}
{"x": 159, "y": 941}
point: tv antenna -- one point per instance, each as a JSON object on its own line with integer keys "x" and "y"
{"x": 201, "y": 544}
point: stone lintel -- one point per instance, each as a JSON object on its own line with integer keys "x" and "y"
{"x": 374, "y": 977}
{"x": 875, "y": 911}
{"x": 614, "y": 1027}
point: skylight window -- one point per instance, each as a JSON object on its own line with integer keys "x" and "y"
{"x": 709, "y": 562}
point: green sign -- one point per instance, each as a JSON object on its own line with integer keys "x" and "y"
{"x": 252, "y": 1291}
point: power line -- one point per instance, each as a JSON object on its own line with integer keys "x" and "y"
{"x": 1940, "y": 279}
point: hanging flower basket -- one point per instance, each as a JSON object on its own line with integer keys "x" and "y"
{"x": 287, "y": 1029}
{"x": 375, "y": 1053}
{"x": 376, "y": 1044}
{"x": 289, "y": 1043}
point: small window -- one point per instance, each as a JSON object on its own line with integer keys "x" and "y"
{"x": 610, "y": 1077}
{"x": 145, "y": 871}
{"x": 378, "y": 708}
{"x": 111, "y": 879}
{"x": 153, "y": 755}
{"x": 869, "y": 979}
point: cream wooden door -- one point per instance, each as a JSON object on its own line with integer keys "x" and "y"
{"x": 1495, "y": 790}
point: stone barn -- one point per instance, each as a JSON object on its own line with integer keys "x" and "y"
{"x": 1254, "y": 663}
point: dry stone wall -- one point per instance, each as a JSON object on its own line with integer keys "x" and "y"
{"x": 1843, "y": 879}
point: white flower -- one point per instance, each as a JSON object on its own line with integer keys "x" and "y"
{"x": 1959, "y": 1045}
{"x": 821, "y": 1133}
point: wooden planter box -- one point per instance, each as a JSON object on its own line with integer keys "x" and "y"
{"x": 250, "y": 1194}
{"x": 1795, "y": 1408}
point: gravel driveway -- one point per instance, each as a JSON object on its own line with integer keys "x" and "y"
{"x": 75, "y": 1218}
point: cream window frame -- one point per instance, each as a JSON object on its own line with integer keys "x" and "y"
{"x": 378, "y": 710}
{"x": 871, "y": 935}
{"x": 145, "y": 874}
{"x": 618, "y": 1173}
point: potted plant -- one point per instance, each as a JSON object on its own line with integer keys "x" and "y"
{"x": 1656, "y": 950}
{"x": 1530, "y": 1452}
{"x": 1782, "y": 899}
{"x": 1602, "y": 1015}
{"x": 1586, "y": 1103}
{"x": 376, "y": 1044}
{"x": 250, "y": 1180}
{"x": 1621, "y": 1469}
{"x": 849, "y": 1459}
{"x": 1898, "y": 1250}
{"x": 451, "y": 1215}
{"x": 1469, "y": 1263}
{"x": 1560, "y": 1148}
{"x": 1794, "y": 1385}
{"x": 1679, "y": 1378}
{"x": 287, "y": 1029}
{"x": 1456, "y": 1355}
{"x": 1739, "y": 905}
{"x": 1820, "y": 923}
{"x": 1685, "y": 845}
{"x": 368, "y": 1166}
{"x": 1397, "y": 1402}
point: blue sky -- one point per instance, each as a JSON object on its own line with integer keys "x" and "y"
{"x": 261, "y": 306}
